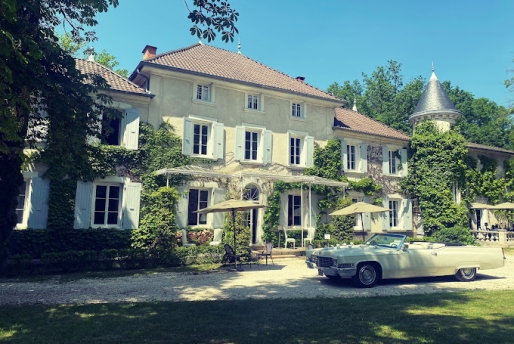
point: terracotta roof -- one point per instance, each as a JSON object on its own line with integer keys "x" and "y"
{"x": 224, "y": 64}
{"x": 354, "y": 121}
{"x": 488, "y": 148}
{"x": 117, "y": 82}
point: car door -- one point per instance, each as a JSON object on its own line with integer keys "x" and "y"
{"x": 417, "y": 263}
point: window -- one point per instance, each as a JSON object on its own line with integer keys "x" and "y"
{"x": 295, "y": 147}
{"x": 107, "y": 205}
{"x": 294, "y": 210}
{"x": 393, "y": 213}
{"x": 350, "y": 163}
{"x": 392, "y": 162}
{"x": 251, "y": 145}
{"x": 20, "y": 208}
{"x": 198, "y": 199}
{"x": 203, "y": 92}
{"x": 296, "y": 110}
{"x": 111, "y": 130}
{"x": 253, "y": 102}
{"x": 202, "y": 137}
{"x": 301, "y": 148}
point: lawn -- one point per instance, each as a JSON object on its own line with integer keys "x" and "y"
{"x": 471, "y": 317}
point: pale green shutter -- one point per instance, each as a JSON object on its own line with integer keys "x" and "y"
{"x": 83, "y": 205}
{"x": 218, "y": 195}
{"x": 267, "y": 137}
{"x": 218, "y": 133}
{"x": 309, "y": 158}
{"x": 131, "y": 130}
{"x": 240, "y": 143}
{"x": 407, "y": 214}
{"x": 344, "y": 156}
{"x": 38, "y": 203}
{"x": 182, "y": 207}
{"x": 131, "y": 203}
{"x": 364, "y": 157}
{"x": 385, "y": 160}
{"x": 385, "y": 214}
{"x": 187, "y": 137}
{"x": 403, "y": 157}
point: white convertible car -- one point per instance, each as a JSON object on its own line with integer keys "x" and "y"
{"x": 387, "y": 256}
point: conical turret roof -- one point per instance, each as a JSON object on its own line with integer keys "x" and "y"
{"x": 434, "y": 100}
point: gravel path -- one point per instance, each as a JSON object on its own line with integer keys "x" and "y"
{"x": 288, "y": 278}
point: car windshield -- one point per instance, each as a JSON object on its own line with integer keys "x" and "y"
{"x": 386, "y": 240}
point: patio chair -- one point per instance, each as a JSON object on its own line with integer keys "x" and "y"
{"x": 310, "y": 235}
{"x": 216, "y": 239}
{"x": 251, "y": 257}
{"x": 230, "y": 256}
{"x": 184, "y": 239}
{"x": 286, "y": 239}
{"x": 266, "y": 253}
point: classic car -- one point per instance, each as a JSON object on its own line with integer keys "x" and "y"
{"x": 388, "y": 256}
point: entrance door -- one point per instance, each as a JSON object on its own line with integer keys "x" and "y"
{"x": 251, "y": 193}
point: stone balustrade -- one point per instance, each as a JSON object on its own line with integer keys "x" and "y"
{"x": 501, "y": 237}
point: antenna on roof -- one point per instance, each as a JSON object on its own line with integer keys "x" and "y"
{"x": 239, "y": 47}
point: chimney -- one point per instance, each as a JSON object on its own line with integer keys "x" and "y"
{"x": 300, "y": 78}
{"x": 149, "y": 52}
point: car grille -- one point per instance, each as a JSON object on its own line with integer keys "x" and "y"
{"x": 324, "y": 262}
{"x": 314, "y": 259}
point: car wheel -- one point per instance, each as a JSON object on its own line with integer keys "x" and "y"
{"x": 336, "y": 277}
{"x": 367, "y": 275}
{"x": 466, "y": 274}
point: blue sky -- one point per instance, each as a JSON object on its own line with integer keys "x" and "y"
{"x": 471, "y": 43}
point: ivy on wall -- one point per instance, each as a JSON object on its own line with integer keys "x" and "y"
{"x": 438, "y": 160}
{"x": 61, "y": 204}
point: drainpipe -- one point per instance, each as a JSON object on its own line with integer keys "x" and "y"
{"x": 147, "y": 82}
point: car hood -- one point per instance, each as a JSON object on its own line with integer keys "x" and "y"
{"x": 352, "y": 250}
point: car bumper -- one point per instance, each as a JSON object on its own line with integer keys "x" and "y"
{"x": 346, "y": 272}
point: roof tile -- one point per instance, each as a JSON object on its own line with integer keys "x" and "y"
{"x": 205, "y": 59}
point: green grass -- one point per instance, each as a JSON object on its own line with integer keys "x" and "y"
{"x": 471, "y": 317}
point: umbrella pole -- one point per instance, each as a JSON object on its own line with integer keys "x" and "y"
{"x": 234, "y": 227}
{"x": 362, "y": 221}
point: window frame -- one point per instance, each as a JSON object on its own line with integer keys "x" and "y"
{"x": 393, "y": 162}
{"x": 290, "y": 210}
{"x": 348, "y": 157}
{"x": 191, "y": 212}
{"x": 105, "y": 223}
{"x": 293, "y": 109}
{"x": 211, "y": 92}
{"x": 25, "y": 210}
{"x": 215, "y": 137}
{"x": 394, "y": 218}
{"x": 306, "y": 149}
{"x": 260, "y": 102}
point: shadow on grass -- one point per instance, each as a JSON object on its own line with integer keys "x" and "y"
{"x": 437, "y": 318}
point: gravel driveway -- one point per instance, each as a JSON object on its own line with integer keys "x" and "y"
{"x": 288, "y": 278}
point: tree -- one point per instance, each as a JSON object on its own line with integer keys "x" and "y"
{"x": 213, "y": 15}
{"x": 41, "y": 89}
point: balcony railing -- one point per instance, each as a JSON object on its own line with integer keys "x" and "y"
{"x": 498, "y": 237}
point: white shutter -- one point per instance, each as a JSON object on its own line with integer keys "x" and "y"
{"x": 364, "y": 158}
{"x": 344, "y": 156}
{"x": 131, "y": 204}
{"x": 283, "y": 210}
{"x": 39, "y": 191}
{"x": 240, "y": 143}
{"x": 385, "y": 214}
{"x": 217, "y": 149}
{"x": 407, "y": 214}
{"x": 267, "y": 137}
{"x": 367, "y": 221}
{"x": 83, "y": 205}
{"x": 182, "y": 206}
{"x": 218, "y": 195}
{"x": 403, "y": 157}
{"x": 309, "y": 144}
{"x": 96, "y": 139}
{"x": 385, "y": 160}
{"x": 131, "y": 129}
{"x": 187, "y": 137}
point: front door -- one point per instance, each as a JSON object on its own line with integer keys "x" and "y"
{"x": 251, "y": 193}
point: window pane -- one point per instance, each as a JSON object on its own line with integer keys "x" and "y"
{"x": 192, "y": 206}
{"x": 199, "y": 92}
{"x": 113, "y": 204}
{"x": 249, "y": 102}
{"x": 100, "y": 204}
{"x": 99, "y": 218}
{"x": 114, "y": 192}
{"x": 101, "y": 191}
{"x": 112, "y": 218}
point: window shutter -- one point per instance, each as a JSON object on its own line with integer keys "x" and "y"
{"x": 309, "y": 143}
{"x": 83, "y": 205}
{"x": 131, "y": 204}
{"x": 403, "y": 157}
{"x": 385, "y": 159}
{"x": 367, "y": 221}
{"x": 344, "y": 156}
{"x": 364, "y": 157}
{"x": 218, "y": 195}
{"x": 267, "y": 137}
{"x": 182, "y": 205}
{"x": 96, "y": 139}
{"x": 218, "y": 131}
{"x": 187, "y": 137}
{"x": 38, "y": 203}
{"x": 385, "y": 214}
{"x": 283, "y": 210}
{"x": 131, "y": 129}
{"x": 240, "y": 143}
{"x": 407, "y": 214}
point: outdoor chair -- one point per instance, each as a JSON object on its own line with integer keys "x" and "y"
{"x": 251, "y": 257}
{"x": 184, "y": 239}
{"x": 286, "y": 239}
{"x": 310, "y": 235}
{"x": 266, "y": 253}
{"x": 230, "y": 256}
{"x": 216, "y": 239}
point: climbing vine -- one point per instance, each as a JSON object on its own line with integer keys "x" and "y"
{"x": 438, "y": 160}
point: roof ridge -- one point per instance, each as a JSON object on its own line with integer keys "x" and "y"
{"x": 171, "y": 52}
{"x": 376, "y": 121}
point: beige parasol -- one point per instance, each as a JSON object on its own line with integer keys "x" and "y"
{"x": 359, "y": 208}
{"x": 232, "y": 205}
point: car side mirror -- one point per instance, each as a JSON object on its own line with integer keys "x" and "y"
{"x": 405, "y": 247}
